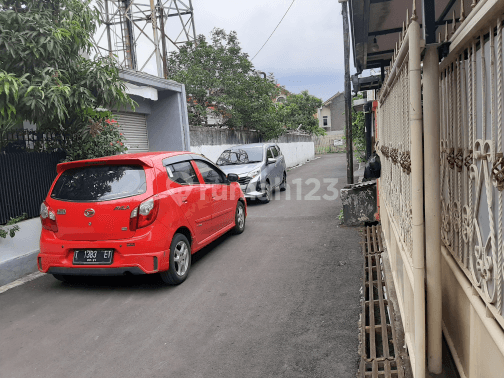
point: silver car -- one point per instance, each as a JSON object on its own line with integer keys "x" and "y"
{"x": 260, "y": 167}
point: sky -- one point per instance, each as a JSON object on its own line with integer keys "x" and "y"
{"x": 304, "y": 53}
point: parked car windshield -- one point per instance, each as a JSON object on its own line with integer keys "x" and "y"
{"x": 242, "y": 155}
{"x": 100, "y": 183}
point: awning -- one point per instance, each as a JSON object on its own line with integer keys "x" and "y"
{"x": 376, "y": 24}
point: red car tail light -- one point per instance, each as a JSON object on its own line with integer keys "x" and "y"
{"x": 133, "y": 219}
{"x": 145, "y": 214}
{"x": 48, "y": 218}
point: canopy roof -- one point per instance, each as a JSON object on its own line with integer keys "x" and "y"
{"x": 376, "y": 24}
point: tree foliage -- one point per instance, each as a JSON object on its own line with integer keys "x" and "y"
{"x": 43, "y": 77}
{"x": 298, "y": 110}
{"x": 221, "y": 82}
{"x": 359, "y": 132}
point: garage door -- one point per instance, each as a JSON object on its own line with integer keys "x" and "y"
{"x": 134, "y": 129}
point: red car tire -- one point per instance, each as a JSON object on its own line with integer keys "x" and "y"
{"x": 180, "y": 261}
{"x": 239, "y": 219}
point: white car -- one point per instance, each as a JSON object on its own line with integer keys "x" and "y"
{"x": 260, "y": 166}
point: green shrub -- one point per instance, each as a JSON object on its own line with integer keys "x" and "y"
{"x": 100, "y": 138}
{"x": 10, "y": 228}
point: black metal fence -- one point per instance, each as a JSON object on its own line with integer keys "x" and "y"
{"x": 25, "y": 179}
{"x": 31, "y": 140}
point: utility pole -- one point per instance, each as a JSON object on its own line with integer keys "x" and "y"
{"x": 348, "y": 93}
{"x": 368, "y": 106}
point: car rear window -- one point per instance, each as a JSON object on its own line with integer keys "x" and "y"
{"x": 100, "y": 183}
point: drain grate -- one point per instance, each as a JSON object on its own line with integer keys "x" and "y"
{"x": 378, "y": 340}
{"x": 372, "y": 240}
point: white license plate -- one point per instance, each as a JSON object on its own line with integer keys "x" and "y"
{"x": 93, "y": 256}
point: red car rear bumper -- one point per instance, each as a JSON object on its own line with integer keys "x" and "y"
{"x": 137, "y": 255}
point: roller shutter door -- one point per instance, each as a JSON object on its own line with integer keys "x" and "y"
{"x": 134, "y": 128}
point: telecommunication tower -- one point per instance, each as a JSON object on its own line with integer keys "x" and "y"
{"x": 142, "y": 32}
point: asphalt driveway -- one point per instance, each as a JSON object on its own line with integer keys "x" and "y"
{"x": 279, "y": 300}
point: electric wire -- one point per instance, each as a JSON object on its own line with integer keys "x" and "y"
{"x": 274, "y": 30}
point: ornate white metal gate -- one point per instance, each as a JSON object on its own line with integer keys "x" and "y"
{"x": 472, "y": 160}
{"x": 401, "y": 189}
{"x": 471, "y": 293}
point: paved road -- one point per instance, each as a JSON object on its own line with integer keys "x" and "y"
{"x": 280, "y": 300}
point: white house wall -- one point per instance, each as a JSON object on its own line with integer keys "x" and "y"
{"x": 167, "y": 119}
{"x": 325, "y": 111}
{"x": 165, "y": 124}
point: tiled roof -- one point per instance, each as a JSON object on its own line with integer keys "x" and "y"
{"x": 327, "y": 102}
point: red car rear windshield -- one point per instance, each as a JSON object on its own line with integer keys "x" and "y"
{"x": 100, "y": 183}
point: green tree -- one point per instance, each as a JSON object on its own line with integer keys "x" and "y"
{"x": 359, "y": 132}
{"x": 298, "y": 112}
{"x": 44, "y": 78}
{"x": 221, "y": 81}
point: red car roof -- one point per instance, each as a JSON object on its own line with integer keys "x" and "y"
{"x": 144, "y": 158}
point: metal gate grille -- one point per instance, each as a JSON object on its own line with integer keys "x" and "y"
{"x": 372, "y": 240}
{"x": 134, "y": 128}
{"x": 378, "y": 348}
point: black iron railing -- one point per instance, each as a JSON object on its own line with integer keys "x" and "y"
{"x": 31, "y": 140}
{"x": 25, "y": 179}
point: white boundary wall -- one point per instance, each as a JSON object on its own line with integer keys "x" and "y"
{"x": 295, "y": 152}
{"x": 212, "y": 141}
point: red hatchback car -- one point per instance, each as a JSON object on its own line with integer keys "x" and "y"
{"x": 136, "y": 213}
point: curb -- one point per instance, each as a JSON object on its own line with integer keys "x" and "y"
{"x": 17, "y": 267}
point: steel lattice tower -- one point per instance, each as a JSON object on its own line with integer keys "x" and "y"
{"x": 142, "y": 32}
